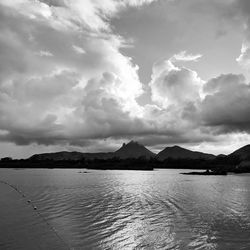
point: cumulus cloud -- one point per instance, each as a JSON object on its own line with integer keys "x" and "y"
{"x": 227, "y": 104}
{"x": 171, "y": 85}
{"x": 204, "y": 109}
{"x": 60, "y": 60}
{"x": 63, "y": 78}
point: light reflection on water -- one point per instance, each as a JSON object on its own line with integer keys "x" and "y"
{"x": 138, "y": 210}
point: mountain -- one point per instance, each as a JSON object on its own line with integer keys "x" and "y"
{"x": 177, "y": 152}
{"x": 243, "y": 153}
{"x": 130, "y": 150}
{"x": 133, "y": 150}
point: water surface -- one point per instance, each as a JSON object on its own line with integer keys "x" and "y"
{"x": 124, "y": 210}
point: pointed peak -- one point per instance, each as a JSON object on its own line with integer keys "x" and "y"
{"x": 131, "y": 143}
{"x": 133, "y": 150}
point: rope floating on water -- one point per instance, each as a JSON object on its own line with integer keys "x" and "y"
{"x": 38, "y": 212}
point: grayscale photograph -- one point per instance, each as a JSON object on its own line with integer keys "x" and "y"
{"x": 124, "y": 124}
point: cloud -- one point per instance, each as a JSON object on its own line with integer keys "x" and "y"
{"x": 184, "y": 57}
{"x": 244, "y": 57}
{"x": 243, "y": 6}
{"x": 57, "y": 63}
{"x": 78, "y": 49}
{"x": 219, "y": 106}
{"x": 64, "y": 81}
{"x": 171, "y": 85}
{"x": 227, "y": 104}
{"x": 44, "y": 53}
{"x": 242, "y": 11}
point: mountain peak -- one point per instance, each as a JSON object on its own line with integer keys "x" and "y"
{"x": 132, "y": 144}
{"x": 133, "y": 149}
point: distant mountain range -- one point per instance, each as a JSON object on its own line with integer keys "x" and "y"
{"x": 132, "y": 149}
{"x": 134, "y": 156}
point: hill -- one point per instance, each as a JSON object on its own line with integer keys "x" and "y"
{"x": 243, "y": 153}
{"x": 177, "y": 152}
{"x": 73, "y": 156}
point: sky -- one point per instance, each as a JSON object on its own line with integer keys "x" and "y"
{"x": 88, "y": 75}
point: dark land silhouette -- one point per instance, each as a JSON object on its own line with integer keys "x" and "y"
{"x": 177, "y": 152}
{"x": 134, "y": 156}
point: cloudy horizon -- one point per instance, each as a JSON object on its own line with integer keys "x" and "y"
{"x": 90, "y": 75}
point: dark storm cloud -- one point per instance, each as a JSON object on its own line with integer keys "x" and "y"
{"x": 227, "y": 104}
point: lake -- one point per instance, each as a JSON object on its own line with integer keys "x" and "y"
{"x": 159, "y": 209}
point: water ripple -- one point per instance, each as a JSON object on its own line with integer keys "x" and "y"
{"x": 141, "y": 210}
